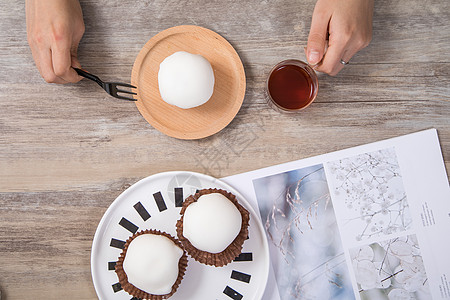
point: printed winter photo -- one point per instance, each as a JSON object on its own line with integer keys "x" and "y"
{"x": 369, "y": 196}
{"x": 391, "y": 269}
{"x": 306, "y": 250}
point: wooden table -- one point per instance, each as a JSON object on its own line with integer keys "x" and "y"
{"x": 66, "y": 152}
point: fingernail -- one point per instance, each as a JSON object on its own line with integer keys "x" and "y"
{"x": 313, "y": 57}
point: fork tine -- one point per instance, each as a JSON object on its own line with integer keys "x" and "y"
{"x": 119, "y": 84}
{"x": 126, "y": 92}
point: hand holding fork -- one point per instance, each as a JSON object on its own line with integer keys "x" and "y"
{"x": 112, "y": 88}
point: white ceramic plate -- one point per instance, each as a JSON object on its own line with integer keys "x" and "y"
{"x": 154, "y": 203}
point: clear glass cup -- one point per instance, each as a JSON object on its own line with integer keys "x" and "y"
{"x": 291, "y": 86}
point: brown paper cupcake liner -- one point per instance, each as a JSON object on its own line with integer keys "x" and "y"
{"x": 138, "y": 293}
{"x": 232, "y": 251}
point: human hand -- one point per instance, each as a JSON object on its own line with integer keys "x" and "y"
{"x": 55, "y": 28}
{"x": 339, "y": 29}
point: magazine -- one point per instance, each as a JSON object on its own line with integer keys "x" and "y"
{"x": 369, "y": 222}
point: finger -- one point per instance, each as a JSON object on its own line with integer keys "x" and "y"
{"x": 62, "y": 63}
{"x": 317, "y": 37}
{"x": 76, "y": 63}
{"x": 346, "y": 57}
{"x": 46, "y": 67}
{"x": 74, "y": 57}
{"x": 331, "y": 62}
{"x": 348, "y": 54}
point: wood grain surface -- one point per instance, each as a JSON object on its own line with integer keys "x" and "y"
{"x": 66, "y": 152}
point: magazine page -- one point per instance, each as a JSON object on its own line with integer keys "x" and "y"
{"x": 369, "y": 222}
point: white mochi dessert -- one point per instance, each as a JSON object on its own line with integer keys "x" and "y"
{"x": 185, "y": 80}
{"x": 212, "y": 223}
{"x": 151, "y": 263}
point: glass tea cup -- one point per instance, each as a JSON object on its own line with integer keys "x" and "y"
{"x": 291, "y": 86}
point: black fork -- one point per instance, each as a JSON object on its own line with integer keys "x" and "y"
{"x": 111, "y": 88}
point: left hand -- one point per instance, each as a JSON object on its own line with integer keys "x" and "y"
{"x": 339, "y": 29}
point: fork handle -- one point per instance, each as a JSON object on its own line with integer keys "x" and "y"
{"x": 88, "y": 75}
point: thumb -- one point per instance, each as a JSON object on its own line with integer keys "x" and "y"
{"x": 75, "y": 63}
{"x": 74, "y": 56}
{"x": 317, "y": 38}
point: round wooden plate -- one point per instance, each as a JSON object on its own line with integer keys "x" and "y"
{"x": 229, "y": 87}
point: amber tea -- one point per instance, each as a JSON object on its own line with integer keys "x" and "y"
{"x": 292, "y": 85}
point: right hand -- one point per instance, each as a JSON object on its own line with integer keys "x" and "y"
{"x": 348, "y": 23}
{"x": 55, "y": 28}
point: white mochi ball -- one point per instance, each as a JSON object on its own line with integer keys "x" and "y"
{"x": 185, "y": 80}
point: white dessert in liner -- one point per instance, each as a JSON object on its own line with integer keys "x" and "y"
{"x": 151, "y": 263}
{"x": 225, "y": 235}
{"x": 212, "y": 223}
